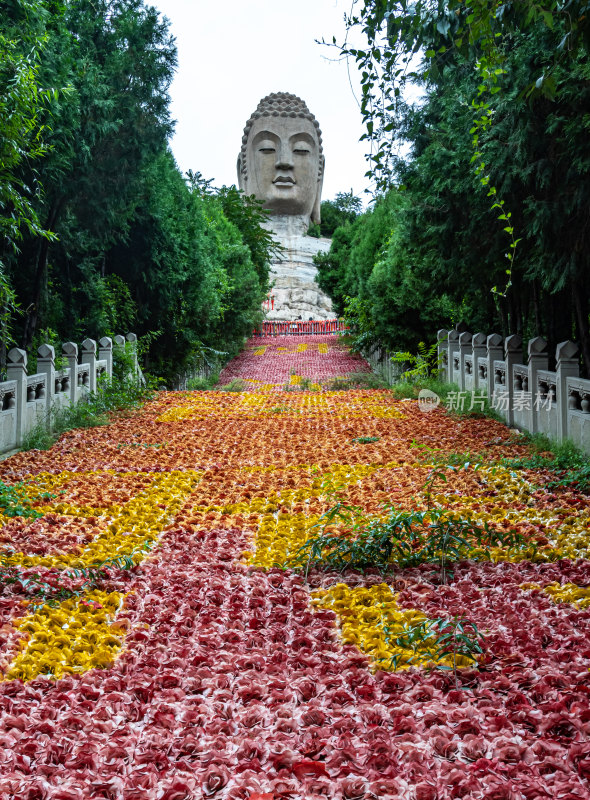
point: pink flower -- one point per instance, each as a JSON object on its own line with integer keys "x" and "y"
{"x": 214, "y": 779}
{"x": 474, "y": 747}
{"x": 313, "y": 716}
{"x": 425, "y": 791}
{"x": 353, "y": 788}
{"x": 443, "y": 746}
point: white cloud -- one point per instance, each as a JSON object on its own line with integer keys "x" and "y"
{"x": 232, "y": 54}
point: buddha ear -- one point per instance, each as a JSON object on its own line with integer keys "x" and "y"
{"x": 240, "y": 176}
{"x": 315, "y": 213}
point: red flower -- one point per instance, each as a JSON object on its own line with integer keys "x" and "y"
{"x": 353, "y": 788}
{"x": 214, "y": 780}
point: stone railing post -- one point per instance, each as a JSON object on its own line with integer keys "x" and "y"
{"x": 89, "y": 357}
{"x": 46, "y": 366}
{"x": 538, "y": 360}
{"x": 568, "y": 366}
{"x": 119, "y": 344}
{"x": 16, "y": 370}
{"x": 132, "y": 341}
{"x": 464, "y": 350}
{"x": 495, "y": 353}
{"x": 453, "y": 353}
{"x": 512, "y": 356}
{"x": 105, "y": 353}
{"x": 442, "y": 338}
{"x": 70, "y": 351}
{"x": 478, "y": 346}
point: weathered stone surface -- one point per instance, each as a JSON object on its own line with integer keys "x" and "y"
{"x": 281, "y": 162}
{"x": 295, "y": 291}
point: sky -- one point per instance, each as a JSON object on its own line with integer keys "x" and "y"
{"x": 233, "y": 54}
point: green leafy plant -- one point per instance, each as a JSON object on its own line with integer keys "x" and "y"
{"x": 402, "y": 539}
{"x": 14, "y": 501}
{"x": 424, "y": 364}
{"x": 454, "y": 459}
{"x": 366, "y": 439}
{"x": 435, "y": 640}
{"x": 357, "y": 318}
{"x": 457, "y": 637}
{"x": 51, "y": 587}
{"x": 305, "y": 384}
{"x": 46, "y": 336}
{"x": 235, "y": 385}
{"x": 39, "y": 437}
{"x": 283, "y": 410}
{"x": 411, "y": 389}
{"x": 202, "y": 383}
{"x": 417, "y": 639}
{"x": 356, "y": 380}
{"x": 114, "y": 397}
{"x": 565, "y": 459}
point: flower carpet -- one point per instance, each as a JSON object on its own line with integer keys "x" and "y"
{"x": 271, "y": 362}
{"x": 158, "y": 640}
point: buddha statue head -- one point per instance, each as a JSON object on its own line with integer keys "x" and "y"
{"x": 281, "y": 161}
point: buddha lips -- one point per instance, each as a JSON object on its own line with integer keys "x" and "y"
{"x": 159, "y": 639}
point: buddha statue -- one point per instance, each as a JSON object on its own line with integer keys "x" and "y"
{"x": 281, "y": 162}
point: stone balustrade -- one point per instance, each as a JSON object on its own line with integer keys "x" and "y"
{"x": 27, "y": 400}
{"x": 527, "y": 395}
{"x": 380, "y": 360}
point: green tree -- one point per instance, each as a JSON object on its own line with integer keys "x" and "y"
{"x": 23, "y": 135}
{"x": 344, "y": 209}
{"x": 133, "y": 243}
{"x": 531, "y": 167}
{"x": 118, "y": 57}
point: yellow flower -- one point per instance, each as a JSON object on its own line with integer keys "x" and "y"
{"x": 73, "y": 637}
{"x": 370, "y": 618}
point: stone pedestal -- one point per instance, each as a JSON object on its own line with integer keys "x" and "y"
{"x": 295, "y": 291}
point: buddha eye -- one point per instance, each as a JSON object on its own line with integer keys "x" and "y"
{"x": 267, "y": 147}
{"x": 301, "y": 151}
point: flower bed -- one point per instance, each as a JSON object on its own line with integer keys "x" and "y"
{"x": 179, "y": 658}
{"x": 319, "y": 357}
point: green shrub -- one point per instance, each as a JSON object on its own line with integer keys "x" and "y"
{"x": 201, "y": 383}
{"x": 411, "y": 389}
{"x": 570, "y": 464}
{"x": 235, "y": 385}
{"x": 39, "y": 438}
{"x": 113, "y": 397}
{"x": 404, "y": 539}
{"x": 356, "y": 380}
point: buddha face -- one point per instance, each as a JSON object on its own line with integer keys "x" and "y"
{"x": 283, "y": 161}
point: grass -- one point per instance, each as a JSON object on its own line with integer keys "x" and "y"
{"x": 484, "y": 411}
{"x": 565, "y": 459}
{"x": 305, "y": 385}
{"x": 114, "y": 397}
{"x": 409, "y": 390}
{"x": 201, "y": 383}
{"x": 356, "y": 380}
{"x": 235, "y": 385}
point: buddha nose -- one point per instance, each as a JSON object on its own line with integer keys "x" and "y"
{"x": 284, "y": 157}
